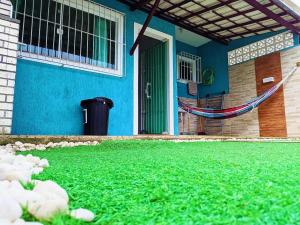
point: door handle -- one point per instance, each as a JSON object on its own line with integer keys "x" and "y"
{"x": 147, "y": 90}
{"x": 85, "y": 116}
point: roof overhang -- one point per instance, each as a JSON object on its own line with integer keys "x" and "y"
{"x": 223, "y": 20}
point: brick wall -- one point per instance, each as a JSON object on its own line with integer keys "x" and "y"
{"x": 5, "y": 7}
{"x": 242, "y": 86}
{"x": 9, "y": 31}
{"x": 211, "y": 126}
{"x": 285, "y": 120}
{"x": 291, "y": 91}
{"x": 185, "y": 124}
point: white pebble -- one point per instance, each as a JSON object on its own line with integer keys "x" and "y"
{"x": 46, "y": 199}
{"x": 49, "y": 188}
{"x": 9, "y": 208}
{"x": 33, "y": 223}
{"x": 16, "y": 185}
{"x": 5, "y": 222}
{"x": 49, "y": 145}
{"x": 4, "y": 185}
{"x": 41, "y": 148}
{"x": 19, "y": 222}
{"x": 23, "y": 222}
{"x": 22, "y": 149}
{"x": 26, "y": 197}
{"x": 43, "y": 163}
{"x": 45, "y": 209}
{"x": 82, "y": 214}
{"x": 37, "y": 170}
{"x": 6, "y": 158}
{"x": 32, "y": 159}
{"x": 18, "y": 143}
{"x": 23, "y": 176}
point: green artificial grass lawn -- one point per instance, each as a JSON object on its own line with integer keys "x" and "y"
{"x": 159, "y": 182}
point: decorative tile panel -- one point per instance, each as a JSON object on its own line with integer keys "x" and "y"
{"x": 260, "y": 48}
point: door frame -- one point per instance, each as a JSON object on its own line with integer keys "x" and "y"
{"x": 170, "y": 79}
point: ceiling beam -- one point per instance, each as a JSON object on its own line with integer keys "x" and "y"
{"x": 140, "y": 4}
{"x": 203, "y": 18}
{"x": 147, "y": 21}
{"x": 233, "y": 32}
{"x": 256, "y": 30}
{"x": 286, "y": 8}
{"x": 182, "y": 24}
{"x": 230, "y": 16}
{"x": 273, "y": 16}
{"x": 174, "y": 6}
{"x": 218, "y": 14}
{"x": 244, "y": 24}
{"x": 248, "y": 17}
{"x": 207, "y": 9}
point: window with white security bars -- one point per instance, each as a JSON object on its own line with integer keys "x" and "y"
{"x": 75, "y": 33}
{"x": 188, "y": 67}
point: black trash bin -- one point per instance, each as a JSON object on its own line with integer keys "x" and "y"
{"x": 96, "y": 114}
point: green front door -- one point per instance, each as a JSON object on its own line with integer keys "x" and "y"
{"x": 154, "y": 89}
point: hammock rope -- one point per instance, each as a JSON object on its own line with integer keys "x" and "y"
{"x": 237, "y": 110}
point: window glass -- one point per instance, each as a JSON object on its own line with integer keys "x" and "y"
{"x": 186, "y": 70}
{"x": 50, "y": 28}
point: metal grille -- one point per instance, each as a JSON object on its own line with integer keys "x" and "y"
{"x": 260, "y": 48}
{"x": 74, "y": 33}
{"x": 189, "y": 67}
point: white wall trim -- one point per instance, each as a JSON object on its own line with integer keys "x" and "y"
{"x": 170, "y": 96}
{"x": 69, "y": 64}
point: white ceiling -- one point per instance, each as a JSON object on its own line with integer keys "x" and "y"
{"x": 190, "y": 38}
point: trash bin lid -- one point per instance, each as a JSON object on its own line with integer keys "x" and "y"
{"x": 103, "y": 100}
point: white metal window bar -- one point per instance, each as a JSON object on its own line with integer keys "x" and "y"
{"x": 188, "y": 67}
{"x": 260, "y": 48}
{"x": 73, "y": 33}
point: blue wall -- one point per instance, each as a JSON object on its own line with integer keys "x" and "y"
{"x": 47, "y": 97}
{"x": 182, "y": 88}
{"x": 183, "y": 47}
{"x": 214, "y": 55}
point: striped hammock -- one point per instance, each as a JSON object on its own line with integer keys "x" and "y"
{"x": 238, "y": 110}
